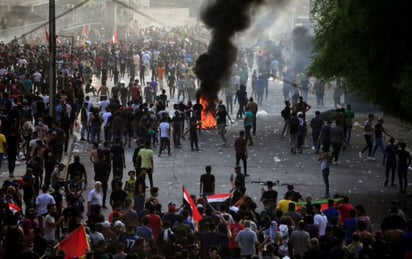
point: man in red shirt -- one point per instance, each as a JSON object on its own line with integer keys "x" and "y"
{"x": 344, "y": 209}
{"x": 155, "y": 223}
{"x": 135, "y": 91}
{"x": 235, "y": 228}
{"x": 241, "y": 150}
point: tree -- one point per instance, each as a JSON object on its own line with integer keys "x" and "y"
{"x": 366, "y": 43}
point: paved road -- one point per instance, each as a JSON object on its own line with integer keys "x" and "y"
{"x": 270, "y": 159}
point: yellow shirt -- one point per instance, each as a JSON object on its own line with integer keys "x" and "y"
{"x": 3, "y": 144}
{"x": 283, "y": 205}
{"x": 129, "y": 188}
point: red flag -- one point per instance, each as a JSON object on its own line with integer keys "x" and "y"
{"x": 85, "y": 32}
{"x": 75, "y": 244}
{"x": 195, "y": 213}
{"x": 47, "y": 35}
{"x": 115, "y": 40}
{"x": 14, "y": 208}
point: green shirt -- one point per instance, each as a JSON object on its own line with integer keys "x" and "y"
{"x": 146, "y": 156}
{"x": 248, "y": 121}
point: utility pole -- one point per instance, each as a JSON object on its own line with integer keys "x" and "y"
{"x": 52, "y": 65}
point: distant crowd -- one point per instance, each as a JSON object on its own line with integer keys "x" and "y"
{"x": 33, "y": 219}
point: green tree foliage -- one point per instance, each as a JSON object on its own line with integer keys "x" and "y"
{"x": 367, "y": 43}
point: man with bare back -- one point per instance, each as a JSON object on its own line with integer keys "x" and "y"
{"x": 103, "y": 92}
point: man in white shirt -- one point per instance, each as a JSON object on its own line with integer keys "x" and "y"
{"x": 95, "y": 200}
{"x": 107, "y": 129}
{"x": 43, "y": 200}
{"x": 320, "y": 219}
{"x": 164, "y": 129}
{"x": 89, "y": 104}
{"x": 50, "y": 224}
{"x": 37, "y": 76}
{"x": 103, "y": 105}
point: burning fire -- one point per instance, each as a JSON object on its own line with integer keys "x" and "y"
{"x": 208, "y": 115}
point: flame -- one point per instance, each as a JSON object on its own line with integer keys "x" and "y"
{"x": 208, "y": 115}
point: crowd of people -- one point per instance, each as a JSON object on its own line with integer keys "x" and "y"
{"x": 33, "y": 219}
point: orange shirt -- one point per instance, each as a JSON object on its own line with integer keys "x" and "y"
{"x": 160, "y": 73}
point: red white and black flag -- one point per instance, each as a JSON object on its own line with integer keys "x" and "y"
{"x": 192, "y": 205}
{"x": 85, "y": 32}
{"x": 115, "y": 39}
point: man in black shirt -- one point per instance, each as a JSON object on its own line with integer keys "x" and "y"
{"x": 207, "y": 182}
{"x": 118, "y": 160}
{"x": 76, "y": 172}
{"x": 269, "y": 196}
{"x": 294, "y": 133}
{"x": 102, "y": 175}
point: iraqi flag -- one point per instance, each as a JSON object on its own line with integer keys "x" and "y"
{"x": 85, "y": 32}
{"x": 47, "y": 35}
{"x": 75, "y": 245}
{"x": 115, "y": 39}
{"x": 14, "y": 208}
{"x": 218, "y": 198}
{"x": 195, "y": 212}
{"x": 323, "y": 203}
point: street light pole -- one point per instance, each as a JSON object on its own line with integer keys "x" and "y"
{"x": 52, "y": 65}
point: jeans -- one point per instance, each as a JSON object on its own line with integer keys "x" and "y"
{"x": 378, "y": 143}
{"x": 83, "y": 131}
{"x": 248, "y": 135}
{"x": 221, "y": 127}
{"x": 390, "y": 168}
{"x": 177, "y": 133}
{"x": 229, "y": 103}
{"x": 164, "y": 142}
{"x": 348, "y": 134}
{"x": 369, "y": 144}
{"x": 319, "y": 99}
{"x": 315, "y": 137}
{"x": 285, "y": 127}
{"x": 254, "y": 125}
{"x": 244, "y": 160}
{"x": 325, "y": 175}
{"x": 139, "y": 202}
{"x": 95, "y": 136}
{"x": 294, "y": 142}
{"x": 336, "y": 150}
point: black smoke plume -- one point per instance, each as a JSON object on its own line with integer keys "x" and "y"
{"x": 302, "y": 40}
{"x": 224, "y": 18}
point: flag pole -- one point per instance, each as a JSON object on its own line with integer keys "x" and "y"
{"x": 52, "y": 64}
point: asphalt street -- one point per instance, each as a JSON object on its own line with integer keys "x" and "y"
{"x": 270, "y": 159}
